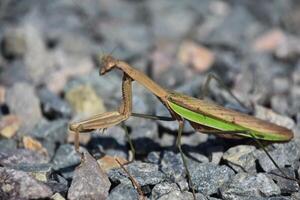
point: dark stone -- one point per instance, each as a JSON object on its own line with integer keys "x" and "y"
{"x": 53, "y": 131}
{"x": 65, "y": 157}
{"x": 20, "y": 185}
{"x": 144, "y": 174}
{"x": 123, "y": 192}
{"x": 52, "y": 106}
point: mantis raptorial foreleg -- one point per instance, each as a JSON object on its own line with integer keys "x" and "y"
{"x": 108, "y": 119}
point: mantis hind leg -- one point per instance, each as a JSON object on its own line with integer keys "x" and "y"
{"x": 284, "y": 175}
{"x": 205, "y": 89}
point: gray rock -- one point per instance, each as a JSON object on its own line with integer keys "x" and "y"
{"x": 123, "y": 192}
{"x": 241, "y": 158}
{"x": 235, "y": 27}
{"x": 286, "y": 185}
{"x": 112, "y": 141}
{"x": 7, "y": 145}
{"x": 280, "y": 104}
{"x": 250, "y": 186}
{"x": 144, "y": 133}
{"x": 20, "y": 185}
{"x": 14, "y": 44}
{"x": 37, "y": 60}
{"x": 282, "y": 153}
{"x": 208, "y": 178}
{"x": 163, "y": 189}
{"x": 172, "y": 166}
{"x": 53, "y": 107}
{"x": 178, "y": 195}
{"x": 21, "y": 156}
{"x": 144, "y": 174}
{"x": 89, "y": 181}
{"x": 40, "y": 172}
{"x": 295, "y": 196}
{"x": 53, "y": 131}
{"x": 65, "y": 157}
{"x": 165, "y": 16}
{"x": 22, "y": 100}
{"x": 134, "y": 37}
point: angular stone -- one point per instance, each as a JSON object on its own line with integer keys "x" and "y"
{"x": 123, "y": 192}
{"x": 40, "y": 171}
{"x": 286, "y": 185}
{"x": 144, "y": 174}
{"x": 208, "y": 178}
{"x": 65, "y": 157}
{"x": 252, "y": 186}
{"x": 162, "y": 189}
{"x": 283, "y": 154}
{"x": 89, "y": 181}
{"x": 55, "y": 131}
{"x": 178, "y": 195}
{"x": 241, "y": 158}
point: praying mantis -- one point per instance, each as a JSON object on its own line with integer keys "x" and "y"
{"x": 204, "y": 116}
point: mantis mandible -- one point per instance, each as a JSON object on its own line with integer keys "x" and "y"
{"x": 204, "y": 116}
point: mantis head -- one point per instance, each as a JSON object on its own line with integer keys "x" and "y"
{"x": 108, "y": 63}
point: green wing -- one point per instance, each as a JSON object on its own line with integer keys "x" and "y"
{"x": 238, "y": 122}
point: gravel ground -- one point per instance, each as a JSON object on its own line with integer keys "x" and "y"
{"x": 50, "y": 56}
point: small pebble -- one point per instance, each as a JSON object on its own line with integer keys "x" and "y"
{"x": 57, "y": 196}
{"x": 199, "y": 57}
{"x": 33, "y": 144}
{"x": 84, "y": 100}
{"x": 9, "y": 125}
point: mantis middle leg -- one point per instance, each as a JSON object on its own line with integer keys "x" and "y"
{"x": 205, "y": 89}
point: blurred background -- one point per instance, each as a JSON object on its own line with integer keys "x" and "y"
{"x": 51, "y": 53}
